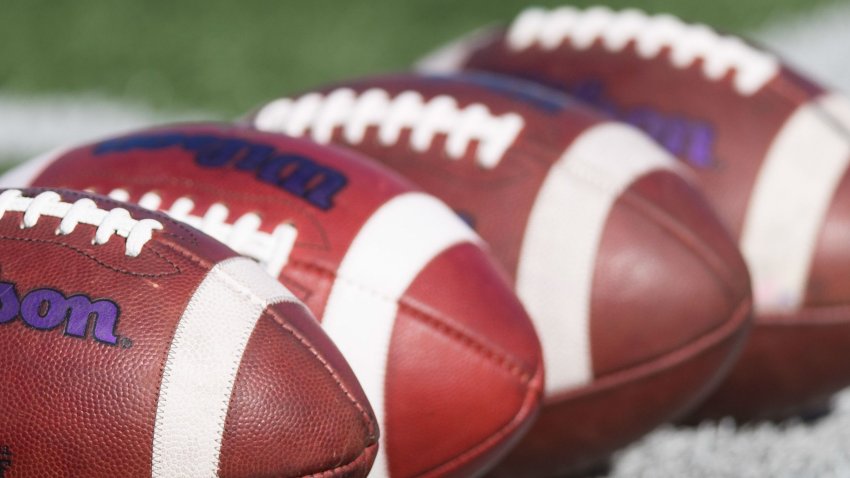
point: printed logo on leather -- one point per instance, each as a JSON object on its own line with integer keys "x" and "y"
{"x": 47, "y": 309}
{"x": 690, "y": 140}
{"x": 296, "y": 174}
{"x": 5, "y": 460}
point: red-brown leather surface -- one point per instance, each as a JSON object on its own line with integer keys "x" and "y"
{"x": 631, "y": 83}
{"x": 476, "y": 193}
{"x": 669, "y": 274}
{"x": 660, "y": 285}
{"x": 668, "y": 199}
{"x": 490, "y": 355}
{"x": 463, "y": 294}
{"x": 670, "y": 307}
{"x": 603, "y": 416}
{"x": 77, "y": 407}
{"x": 789, "y": 362}
{"x": 323, "y": 236}
{"x": 779, "y": 352}
{"x": 829, "y": 280}
{"x": 279, "y": 365}
{"x": 775, "y": 370}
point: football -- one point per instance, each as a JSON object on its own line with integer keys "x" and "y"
{"x": 638, "y": 294}
{"x": 769, "y": 148}
{"x": 427, "y": 320}
{"x": 136, "y": 346}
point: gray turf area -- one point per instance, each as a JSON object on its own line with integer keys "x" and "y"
{"x": 720, "y": 450}
{"x": 31, "y": 125}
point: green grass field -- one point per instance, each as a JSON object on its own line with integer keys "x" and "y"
{"x": 225, "y": 56}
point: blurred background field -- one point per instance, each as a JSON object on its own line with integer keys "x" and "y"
{"x": 224, "y": 56}
{"x": 73, "y": 70}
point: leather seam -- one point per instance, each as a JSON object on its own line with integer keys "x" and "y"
{"x": 367, "y": 422}
{"x": 527, "y": 408}
{"x": 342, "y": 469}
{"x": 501, "y": 360}
{"x": 685, "y": 237}
{"x": 652, "y": 366}
{"x": 99, "y": 262}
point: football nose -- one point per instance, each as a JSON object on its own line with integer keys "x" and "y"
{"x": 669, "y": 274}
{"x": 463, "y": 351}
{"x": 335, "y": 414}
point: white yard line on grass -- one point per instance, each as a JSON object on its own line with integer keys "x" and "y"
{"x": 30, "y": 125}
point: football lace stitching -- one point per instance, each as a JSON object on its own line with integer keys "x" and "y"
{"x": 752, "y": 69}
{"x": 320, "y": 115}
{"x": 111, "y": 222}
{"x": 270, "y": 250}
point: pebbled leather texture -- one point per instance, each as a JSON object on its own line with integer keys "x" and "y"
{"x": 433, "y": 349}
{"x": 669, "y": 300}
{"x": 78, "y": 407}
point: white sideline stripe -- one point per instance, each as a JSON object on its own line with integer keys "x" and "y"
{"x": 797, "y": 180}
{"x": 31, "y": 125}
{"x": 202, "y": 364}
{"x": 557, "y": 258}
{"x": 25, "y": 173}
{"x": 449, "y": 57}
{"x": 390, "y": 250}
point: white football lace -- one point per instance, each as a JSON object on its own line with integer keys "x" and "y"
{"x": 244, "y": 236}
{"x": 83, "y": 211}
{"x": 651, "y": 34}
{"x": 343, "y": 108}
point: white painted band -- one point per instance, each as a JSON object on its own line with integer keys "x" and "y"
{"x": 389, "y": 252}
{"x": 202, "y": 364}
{"x": 789, "y": 202}
{"x": 562, "y": 237}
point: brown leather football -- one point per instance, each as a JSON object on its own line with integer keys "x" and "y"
{"x": 639, "y": 295}
{"x": 134, "y": 346}
{"x": 769, "y": 147}
{"x": 443, "y": 348}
